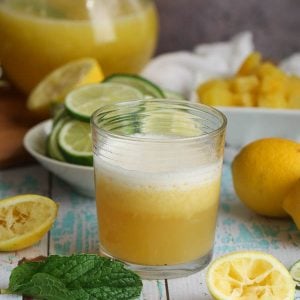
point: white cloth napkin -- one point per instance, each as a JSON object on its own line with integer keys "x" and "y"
{"x": 291, "y": 64}
{"x": 182, "y": 71}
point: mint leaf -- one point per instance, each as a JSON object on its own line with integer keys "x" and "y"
{"x": 78, "y": 277}
{"x": 45, "y": 286}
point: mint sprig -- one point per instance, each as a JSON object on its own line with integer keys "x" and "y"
{"x": 78, "y": 277}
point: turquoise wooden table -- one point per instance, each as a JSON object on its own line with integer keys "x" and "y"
{"x": 75, "y": 231}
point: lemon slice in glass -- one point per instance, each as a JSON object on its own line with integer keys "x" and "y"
{"x": 249, "y": 275}
{"x": 55, "y": 86}
{"x": 24, "y": 220}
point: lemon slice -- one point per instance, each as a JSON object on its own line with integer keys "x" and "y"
{"x": 24, "y": 220}
{"x": 249, "y": 275}
{"x": 55, "y": 86}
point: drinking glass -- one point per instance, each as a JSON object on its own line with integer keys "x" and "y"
{"x": 158, "y": 169}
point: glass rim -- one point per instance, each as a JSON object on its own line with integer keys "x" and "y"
{"x": 187, "y": 103}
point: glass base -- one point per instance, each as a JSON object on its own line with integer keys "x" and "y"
{"x": 167, "y": 271}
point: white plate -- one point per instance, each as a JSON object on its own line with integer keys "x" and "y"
{"x": 244, "y": 126}
{"x": 81, "y": 178}
{"x": 248, "y": 124}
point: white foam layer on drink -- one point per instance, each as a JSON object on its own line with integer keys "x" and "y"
{"x": 156, "y": 164}
{"x": 178, "y": 179}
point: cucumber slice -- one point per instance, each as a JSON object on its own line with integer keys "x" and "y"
{"x": 145, "y": 86}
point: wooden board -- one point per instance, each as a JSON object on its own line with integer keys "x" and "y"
{"x": 15, "y": 120}
{"x": 75, "y": 231}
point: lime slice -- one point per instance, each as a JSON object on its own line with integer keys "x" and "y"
{"x": 145, "y": 86}
{"x": 82, "y": 102}
{"x": 59, "y": 113}
{"x": 249, "y": 275}
{"x": 75, "y": 142}
{"x": 53, "y": 149}
{"x": 295, "y": 273}
{"x": 54, "y": 87}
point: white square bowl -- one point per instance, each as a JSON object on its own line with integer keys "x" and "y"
{"x": 246, "y": 124}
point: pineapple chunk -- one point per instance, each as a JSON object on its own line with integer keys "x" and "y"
{"x": 257, "y": 83}
{"x": 217, "y": 97}
{"x": 250, "y": 64}
{"x": 268, "y": 69}
{"x": 272, "y": 100}
{"x": 212, "y": 84}
{"x": 245, "y": 99}
{"x": 244, "y": 84}
{"x": 294, "y": 101}
{"x": 273, "y": 84}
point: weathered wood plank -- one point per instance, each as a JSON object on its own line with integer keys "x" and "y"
{"x": 154, "y": 290}
{"x": 75, "y": 229}
{"x": 26, "y": 180}
{"x": 10, "y": 297}
{"x": 189, "y": 288}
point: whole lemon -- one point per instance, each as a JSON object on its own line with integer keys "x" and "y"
{"x": 263, "y": 173}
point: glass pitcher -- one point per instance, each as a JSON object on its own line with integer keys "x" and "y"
{"x": 38, "y": 36}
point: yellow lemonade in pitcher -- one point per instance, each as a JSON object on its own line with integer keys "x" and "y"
{"x": 37, "y": 36}
{"x": 156, "y": 218}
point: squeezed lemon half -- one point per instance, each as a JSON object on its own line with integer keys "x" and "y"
{"x": 249, "y": 275}
{"x": 24, "y": 220}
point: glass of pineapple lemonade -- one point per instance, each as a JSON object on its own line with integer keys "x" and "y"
{"x": 157, "y": 174}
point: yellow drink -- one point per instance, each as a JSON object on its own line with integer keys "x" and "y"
{"x": 157, "y": 169}
{"x": 35, "y": 41}
{"x": 157, "y": 218}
